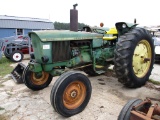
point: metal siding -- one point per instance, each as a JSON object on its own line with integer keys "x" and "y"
{"x": 26, "y": 31}
{"x": 25, "y": 24}
{"x": 6, "y": 17}
{"x": 7, "y": 32}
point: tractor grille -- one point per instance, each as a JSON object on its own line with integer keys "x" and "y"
{"x": 61, "y": 51}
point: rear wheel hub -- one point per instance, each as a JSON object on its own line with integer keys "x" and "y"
{"x": 142, "y": 58}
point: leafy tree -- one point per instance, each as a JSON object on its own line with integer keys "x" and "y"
{"x": 66, "y": 26}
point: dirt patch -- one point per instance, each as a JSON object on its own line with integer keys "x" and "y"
{"x": 4, "y": 117}
{"x": 110, "y": 73}
{"x": 152, "y": 86}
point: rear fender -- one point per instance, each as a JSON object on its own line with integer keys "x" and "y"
{"x": 123, "y": 27}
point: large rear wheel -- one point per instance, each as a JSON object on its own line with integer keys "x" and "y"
{"x": 36, "y": 81}
{"x": 134, "y": 57}
{"x": 70, "y": 93}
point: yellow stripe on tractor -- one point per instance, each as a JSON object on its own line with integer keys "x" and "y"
{"x": 110, "y": 38}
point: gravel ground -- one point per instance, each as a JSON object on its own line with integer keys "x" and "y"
{"x": 17, "y": 102}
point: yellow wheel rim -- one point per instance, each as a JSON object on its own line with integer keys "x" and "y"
{"x": 142, "y": 58}
{"x": 39, "y": 80}
{"x": 74, "y": 95}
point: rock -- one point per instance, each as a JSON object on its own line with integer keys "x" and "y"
{"x": 4, "y": 96}
{"x": 16, "y": 117}
{"x": 14, "y": 65}
{"x": 20, "y": 88}
{"x": 8, "y": 76}
{"x": 28, "y": 112}
{"x": 1, "y": 89}
{"x": 10, "y": 106}
{"x": 41, "y": 104}
{"x": 2, "y": 112}
{"x": 21, "y": 109}
{"x": 155, "y": 73}
{"x": 31, "y": 117}
{"x": 22, "y": 95}
{"x": 9, "y": 83}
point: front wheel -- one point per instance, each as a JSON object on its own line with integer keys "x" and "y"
{"x": 16, "y": 56}
{"x": 70, "y": 93}
{"x": 134, "y": 57}
{"x": 36, "y": 81}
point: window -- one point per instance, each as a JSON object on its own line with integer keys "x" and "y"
{"x": 19, "y": 31}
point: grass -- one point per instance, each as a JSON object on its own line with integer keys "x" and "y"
{"x": 1, "y": 85}
{"x": 1, "y": 108}
{"x": 154, "y": 82}
{"x": 5, "y": 67}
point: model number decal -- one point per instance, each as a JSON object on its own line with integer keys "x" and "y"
{"x": 46, "y": 47}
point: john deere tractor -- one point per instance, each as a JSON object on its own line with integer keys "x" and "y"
{"x": 63, "y": 53}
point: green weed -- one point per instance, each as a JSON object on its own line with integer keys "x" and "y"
{"x": 5, "y": 67}
{"x": 154, "y": 82}
{"x": 2, "y": 108}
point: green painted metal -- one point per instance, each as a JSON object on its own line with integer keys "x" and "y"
{"x": 108, "y": 53}
{"x": 85, "y": 48}
{"x": 100, "y": 30}
{"x": 41, "y": 48}
{"x": 35, "y": 67}
{"x": 64, "y": 35}
{"x": 97, "y": 42}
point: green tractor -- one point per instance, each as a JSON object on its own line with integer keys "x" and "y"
{"x": 62, "y": 53}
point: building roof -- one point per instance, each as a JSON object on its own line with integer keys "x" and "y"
{"x": 25, "y": 22}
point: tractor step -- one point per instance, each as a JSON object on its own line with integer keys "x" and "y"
{"x": 18, "y": 72}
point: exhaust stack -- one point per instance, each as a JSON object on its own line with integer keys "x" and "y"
{"x": 74, "y": 18}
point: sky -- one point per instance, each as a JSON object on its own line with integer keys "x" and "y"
{"x": 90, "y": 12}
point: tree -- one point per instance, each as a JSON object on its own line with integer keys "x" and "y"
{"x": 66, "y": 26}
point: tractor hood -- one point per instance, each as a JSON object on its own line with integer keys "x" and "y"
{"x": 64, "y": 35}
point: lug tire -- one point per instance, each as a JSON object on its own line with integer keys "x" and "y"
{"x": 124, "y": 54}
{"x": 6, "y": 54}
{"x": 16, "y": 56}
{"x": 33, "y": 84}
{"x": 66, "y": 82}
{"x": 7, "y": 57}
{"x": 125, "y": 112}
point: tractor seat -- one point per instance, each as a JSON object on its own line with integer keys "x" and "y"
{"x": 110, "y": 33}
{"x": 110, "y": 38}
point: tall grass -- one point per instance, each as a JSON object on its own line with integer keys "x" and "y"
{"x": 5, "y": 67}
